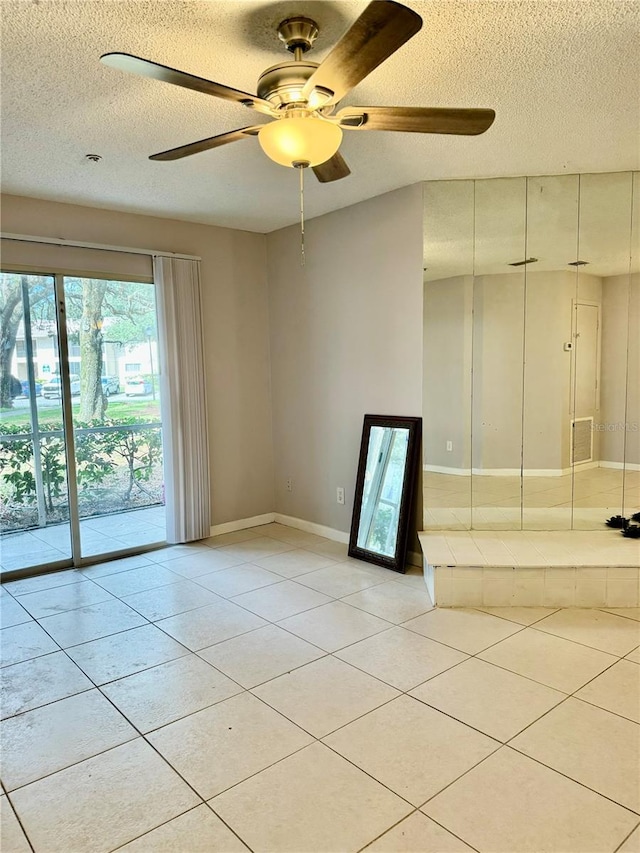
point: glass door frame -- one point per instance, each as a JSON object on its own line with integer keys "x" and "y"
{"x": 75, "y": 560}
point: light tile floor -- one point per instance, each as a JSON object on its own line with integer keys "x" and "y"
{"x": 259, "y": 691}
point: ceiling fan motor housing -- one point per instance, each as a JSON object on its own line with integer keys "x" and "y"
{"x": 282, "y": 84}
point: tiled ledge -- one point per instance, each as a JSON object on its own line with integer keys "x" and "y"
{"x": 532, "y": 568}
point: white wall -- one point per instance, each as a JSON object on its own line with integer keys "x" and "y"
{"x": 346, "y": 340}
{"x": 235, "y": 307}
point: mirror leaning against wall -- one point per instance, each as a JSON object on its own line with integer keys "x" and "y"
{"x": 531, "y": 355}
{"x": 387, "y": 472}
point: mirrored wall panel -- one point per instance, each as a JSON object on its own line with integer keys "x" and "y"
{"x": 631, "y": 481}
{"x": 532, "y": 352}
{"x": 448, "y": 316}
{"x": 551, "y": 287}
{"x": 500, "y": 255}
{"x": 601, "y": 356}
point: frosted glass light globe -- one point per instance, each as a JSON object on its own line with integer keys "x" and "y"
{"x": 300, "y": 140}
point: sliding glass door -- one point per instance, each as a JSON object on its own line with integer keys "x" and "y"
{"x": 34, "y": 487}
{"x": 81, "y": 430}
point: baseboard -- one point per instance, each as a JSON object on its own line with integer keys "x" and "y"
{"x": 496, "y": 472}
{"x": 442, "y": 469}
{"x": 415, "y": 559}
{"x": 527, "y": 472}
{"x": 242, "y": 524}
{"x": 300, "y": 524}
{"x": 312, "y": 527}
{"x": 331, "y": 533}
{"x": 628, "y": 466}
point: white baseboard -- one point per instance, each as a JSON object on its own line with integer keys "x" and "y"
{"x": 496, "y": 472}
{"x": 527, "y": 472}
{"x": 441, "y": 469}
{"x": 242, "y": 524}
{"x": 300, "y": 524}
{"x": 628, "y": 466}
{"x": 312, "y": 527}
{"x": 413, "y": 558}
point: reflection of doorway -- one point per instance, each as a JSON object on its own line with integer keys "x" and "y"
{"x": 80, "y": 433}
{"x": 586, "y": 380}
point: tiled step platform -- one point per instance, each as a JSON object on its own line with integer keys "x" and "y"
{"x": 531, "y": 568}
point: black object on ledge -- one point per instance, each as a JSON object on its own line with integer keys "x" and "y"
{"x": 632, "y": 531}
{"x": 618, "y": 521}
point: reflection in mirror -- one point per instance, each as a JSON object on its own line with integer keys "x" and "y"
{"x": 551, "y": 281}
{"x": 631, "y": 490}
{"x": 448, "y": 307}
{"x": 386, "y": 475}
{"x": 601, "y": 328}
{"x": 500, "y": 261}
{"x": 532, "y": 351}
{"x": 383, "y": 477}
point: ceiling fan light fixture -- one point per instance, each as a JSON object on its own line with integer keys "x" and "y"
{"x": 293, "y": 140}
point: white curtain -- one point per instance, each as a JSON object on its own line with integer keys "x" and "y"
{"x": 184, "y": 409}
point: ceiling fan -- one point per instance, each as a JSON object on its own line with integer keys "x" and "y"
{"x": 301, "y": 96}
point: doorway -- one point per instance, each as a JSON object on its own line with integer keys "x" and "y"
{"x": 80, "y": 421}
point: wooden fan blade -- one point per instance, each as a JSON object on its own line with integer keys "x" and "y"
{"x": 381, "y": 29}
{"x": 333, "y": 170}
{"x": 465, "y": 122}
{"x": 206, "y": 144}
{"x": 145, "y": 68}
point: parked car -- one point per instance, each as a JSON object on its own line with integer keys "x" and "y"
{"x": 110, "y": 385}
{"x": 51, "y": 388}
{"x": 137, "y": 386}
{"x": 25, "y": 388}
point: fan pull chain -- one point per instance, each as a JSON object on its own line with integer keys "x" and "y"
{"x": 302, "y": 258}
{"x": 301, "y": 165}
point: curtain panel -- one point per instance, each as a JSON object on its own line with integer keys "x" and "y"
{"x": 183, "y": 396}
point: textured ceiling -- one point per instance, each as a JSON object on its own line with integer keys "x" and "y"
{"x": 562, "y": 75}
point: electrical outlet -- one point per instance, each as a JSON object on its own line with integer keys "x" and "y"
{"x": 449, "y": 446}
{"x": 289, "y": 484}
{"x": 340, "y": 495}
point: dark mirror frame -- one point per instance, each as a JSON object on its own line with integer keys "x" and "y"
{"x": 414, "y": 425}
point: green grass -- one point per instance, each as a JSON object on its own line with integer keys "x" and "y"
{"x": 130, "y": 408}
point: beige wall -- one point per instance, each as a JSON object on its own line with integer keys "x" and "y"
{"x": 235, "y": 304}
{"x": 498, "y": 335}
{"x": 547, "y": 373}
{"x": 448, "y": 313}
{"x": 346, "y": 339}
{"x": 620, "y": 399}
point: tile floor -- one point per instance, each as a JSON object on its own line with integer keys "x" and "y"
{"x": 531, "y": 549}
{"x": 259, "y": 691}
